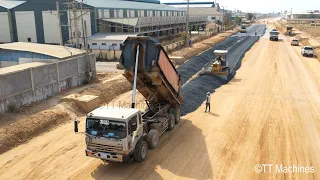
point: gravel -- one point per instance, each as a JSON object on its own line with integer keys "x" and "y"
{"x": 194, "y": 92}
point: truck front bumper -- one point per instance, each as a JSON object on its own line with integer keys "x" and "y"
{"x": 109, "y": 156}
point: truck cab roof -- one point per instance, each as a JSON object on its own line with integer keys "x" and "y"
{"x": 113, "y": 113}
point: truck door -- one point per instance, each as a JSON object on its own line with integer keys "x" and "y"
{"x": 135, "y": 129}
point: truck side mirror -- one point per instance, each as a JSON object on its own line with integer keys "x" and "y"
{"x": 76, "y": 122}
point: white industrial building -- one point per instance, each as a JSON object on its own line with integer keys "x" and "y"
{"x": 107, "y": 41}
{"x": 37, "y": 21}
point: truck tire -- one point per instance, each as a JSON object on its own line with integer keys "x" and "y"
{"x": 153, "y": 138}
{"x": 172, "y": 122}
{"x": 141, "y": 151}
{"x": 177, "y": 115}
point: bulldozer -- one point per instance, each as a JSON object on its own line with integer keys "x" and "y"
{"x": 219, "y": 65}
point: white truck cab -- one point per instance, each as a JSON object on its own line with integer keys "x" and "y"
{"x": 112, "y": 133}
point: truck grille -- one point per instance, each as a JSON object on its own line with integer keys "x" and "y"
{"x": 104, "y": 148}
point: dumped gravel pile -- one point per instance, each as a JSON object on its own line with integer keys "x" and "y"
{"x": 196, "y": 63}
{"x": 195, "y": 91}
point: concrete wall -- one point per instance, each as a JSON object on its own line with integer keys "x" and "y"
{"x": 35, "y": 84}
{"x": 26, "y": 26}
{"x": 4, "y": 64}
{"x": 4, "y": 28}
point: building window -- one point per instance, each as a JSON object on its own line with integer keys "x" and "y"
{"x": 113, "y": 44}
{"x": 94, "y": 44}
{"x": 160, "y": 13}
{"x": 145, "y": 13}
{"x": 29, "y": 39}
{"x": 213, "y": 18}
{"x": 136, "y": 13}
{"x": 103, "y": 44}
{"x": 167, "y": 13}
{"x": 125, "y": 13}
{"x": 111, "y": 13}
{"x": 113, "y": 29}
{"x": 153, "y": 13}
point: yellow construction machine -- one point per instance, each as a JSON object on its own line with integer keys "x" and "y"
{"x": 219, "y": 66}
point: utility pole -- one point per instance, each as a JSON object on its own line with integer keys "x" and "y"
{"x": 223, "y": 18}
{"x": 70, "y": 25}
{"x": 187, "y": 24}
{"x": 59, "y": 24}
{"x": 82, "y": 23}
{"x": 85, "y": 37}
{"x": 75, "y": 19}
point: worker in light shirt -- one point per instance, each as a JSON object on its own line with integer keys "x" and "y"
{"x": 208, "y": 100}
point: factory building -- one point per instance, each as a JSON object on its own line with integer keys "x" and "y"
{"x": 22, "y": 52}
{"x": 37, "y": 21}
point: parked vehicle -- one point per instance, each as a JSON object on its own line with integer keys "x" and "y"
{"x": 307, "y": 51}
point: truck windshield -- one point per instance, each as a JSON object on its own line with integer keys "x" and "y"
{"x": 274, "y": 33}
{"x": 308, "y": 48}
{"x": 106, "y": 128}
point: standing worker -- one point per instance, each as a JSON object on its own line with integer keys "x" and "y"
{"x": 208, "y": 99}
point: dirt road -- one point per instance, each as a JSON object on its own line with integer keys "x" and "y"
{"x": 269, "y": 114}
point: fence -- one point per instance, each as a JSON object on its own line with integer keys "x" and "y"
{"x": 22, "y": 87}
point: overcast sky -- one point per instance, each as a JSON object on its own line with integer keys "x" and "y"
{"x": 264, "y": 6}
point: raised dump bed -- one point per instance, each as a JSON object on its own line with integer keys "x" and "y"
{"x": 157, "y": 79}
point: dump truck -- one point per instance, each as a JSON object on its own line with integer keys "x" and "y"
{"x": 243, "y": 29}
{"x": 124, "y": 134}
{"x": 274, "y": 35}
{"x": 289, "y": 30}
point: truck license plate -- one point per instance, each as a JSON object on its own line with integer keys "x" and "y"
{"x": 104, "y": 155}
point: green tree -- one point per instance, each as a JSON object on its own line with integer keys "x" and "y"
{"x": 238, "y": 20}
{"x": 250, "y": 16}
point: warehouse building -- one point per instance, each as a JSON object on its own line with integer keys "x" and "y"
{"x": 37, "y": 21}
{"x": 38, "y": 71}
{"x": 23, "y": 52}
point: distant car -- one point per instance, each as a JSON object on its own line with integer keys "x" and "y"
{"x": 295, "y": 42}
{"x": 307, "y": 51}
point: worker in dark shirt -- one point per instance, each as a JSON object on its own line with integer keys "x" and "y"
{"x": 208, "y": 100}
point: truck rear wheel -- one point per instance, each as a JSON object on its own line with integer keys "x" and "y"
{"x": 172, "y": 122}
{"x": 153, "y": 138}
{"x": 141, "y": 151}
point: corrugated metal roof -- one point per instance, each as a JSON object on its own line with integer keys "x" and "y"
{"x": 110, "y": 37}
{"x": 59, "y": 52}
{"x": 21, "y": 67}
{"x": 118, "y": 4}
{"x": 203, "y": 11}
{"x": 10, "y": 4}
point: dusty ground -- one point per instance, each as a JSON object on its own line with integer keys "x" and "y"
{"x": 30, "y": 121}
{"x": 109, "y": 84}
{"x": 269, "y": 114}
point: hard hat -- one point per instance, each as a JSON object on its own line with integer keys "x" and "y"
{"x": 208, "y": 93}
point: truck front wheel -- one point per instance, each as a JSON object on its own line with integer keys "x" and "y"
{"x": 172, "y": 122}
{"x": 177, "y": 115}
{"x": 153, "y": 138}
{"x": 141, "y": 151}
